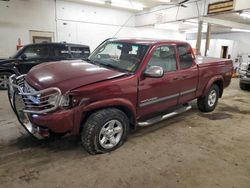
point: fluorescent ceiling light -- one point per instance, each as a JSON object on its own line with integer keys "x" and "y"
{"x": 240, "y": 30}
{"x": 167, "y": 26}
{"x": 127, "y": 4}
{"x": 190, "y": 23}
{"x": 194, "y": 23}
{"x": 164, "y": 1}
{"x": 245, "y": 14}
{"x": 195, "y": 30}
{"x": 95, "y": 1}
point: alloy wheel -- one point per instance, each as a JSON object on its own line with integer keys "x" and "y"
{"x": 212, "y": 98}
{"x": 110, "y": 134}
{"x": 4, "y": 81}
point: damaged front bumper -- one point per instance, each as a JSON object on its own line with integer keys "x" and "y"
{"x": 27, "y": 102}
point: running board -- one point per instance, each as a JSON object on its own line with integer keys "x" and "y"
{"x": 157, "y": 119}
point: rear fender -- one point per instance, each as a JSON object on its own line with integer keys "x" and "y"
{"x": 211, "y": 82}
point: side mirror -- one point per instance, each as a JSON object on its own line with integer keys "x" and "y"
{"x": 23, "y": 57}
{"x": 154, "y": 72}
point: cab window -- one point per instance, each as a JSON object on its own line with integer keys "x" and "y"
{"x": 185, "y": 56}
{"x": 80, "y": 52}
{"x": 61, "y": 51}
{"x": 164, "y": 57}
{"x": 35, "y": 52}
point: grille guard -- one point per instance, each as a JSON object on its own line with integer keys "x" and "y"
{"x": 17, "y": 85}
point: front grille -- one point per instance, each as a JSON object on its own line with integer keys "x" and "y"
{"x": 248, "y": 71}
{"x": 37, "y": 102}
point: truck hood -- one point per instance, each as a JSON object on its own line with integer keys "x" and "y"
{"x": 7, "y": 61}
{"x": 68, "y": 75}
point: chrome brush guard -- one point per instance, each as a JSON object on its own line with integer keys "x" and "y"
{"x": 26, "y": 102}
{"x": 35, "y": 102}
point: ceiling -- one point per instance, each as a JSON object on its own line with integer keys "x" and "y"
{"x": 235, "y": 17}
{"x": 191, "y": 25}
{"x": 154, "y": 3}
{"x": 188, "y": 25}
{"x": 146, "y": 3}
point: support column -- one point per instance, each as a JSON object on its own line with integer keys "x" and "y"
{"x": 199, "y": 37}
{"x": 208, "y": 36}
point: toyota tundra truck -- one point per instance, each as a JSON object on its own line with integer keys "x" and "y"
{"x": 123, "y": 85}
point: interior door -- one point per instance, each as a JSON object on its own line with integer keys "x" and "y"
{"x": 188, "y": 74}
{"x": 158, "y": 94}
{"x": 32, "y": 56}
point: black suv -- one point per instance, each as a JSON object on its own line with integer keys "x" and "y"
{"x": 34, "y": 54}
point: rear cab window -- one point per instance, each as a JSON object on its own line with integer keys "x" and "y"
{"x": 79, "y": 52}
{"x": 186, "y": 57}
{"x": 60, "y": 51}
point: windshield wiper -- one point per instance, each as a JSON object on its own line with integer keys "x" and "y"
{"x": 107, "y": 65}
{"x": 114, "y": 67}
{"x": 92, "y": 61}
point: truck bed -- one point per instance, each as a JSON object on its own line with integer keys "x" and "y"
{"x": 208, "y": 61}
{"x": 210, "y": 67}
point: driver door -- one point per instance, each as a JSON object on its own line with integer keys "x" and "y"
{"x": 158, "y": 94}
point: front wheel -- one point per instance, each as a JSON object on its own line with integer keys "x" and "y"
{"x": 104, "y": 131}
{"x": 210, "y": 100}
{"x": 243, "y": 86}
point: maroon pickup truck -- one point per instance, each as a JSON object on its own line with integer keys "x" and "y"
{"x": 123, "y": 84}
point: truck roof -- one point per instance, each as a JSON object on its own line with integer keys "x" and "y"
{"x": 148, "y": 42}
{"x": 58, "y": 43}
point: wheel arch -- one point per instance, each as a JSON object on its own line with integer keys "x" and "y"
{"x": 217, "y": 80}
{"x": 122, "y": 104}
{"x": 7, "y": 71}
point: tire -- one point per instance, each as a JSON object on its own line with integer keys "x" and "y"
{"x": 209, "y": 102}
{"x": 4, "y": 77}
{"x": 11, "y": 99}
{"x": 99, "y": 136}
{"x": 243, "y": 86}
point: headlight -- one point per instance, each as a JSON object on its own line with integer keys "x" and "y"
{"x": 52, "y": 100}
{"x": 65, "y": 101}
{"x": 244, "y": 66}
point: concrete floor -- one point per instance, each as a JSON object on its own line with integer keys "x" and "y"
{"x": 190, "y": 150}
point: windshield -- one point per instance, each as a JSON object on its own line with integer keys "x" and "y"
{"x": 16, "y": 53}
{"x": 119, "y": 55}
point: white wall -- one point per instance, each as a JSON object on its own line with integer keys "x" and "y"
{"x": 70, "y": 22}
{"x": 18, "y": 17}
{"x": 216, "y": 45}
{"x": 242, "y": 40}
{"x": 85, "y": 24}
{"x": 170, "y": 14}
{"x": 239, "y": 44}
{"x": 242, "y": 4}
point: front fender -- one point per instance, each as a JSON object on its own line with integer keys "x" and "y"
{"x": 114, "y": 102}
{"x": 210, "y": 83}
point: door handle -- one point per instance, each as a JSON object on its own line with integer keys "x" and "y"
{"x": 184, "y": 77}
{"x": 175, "y": 78}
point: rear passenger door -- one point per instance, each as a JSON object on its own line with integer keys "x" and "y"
{"x": 188, "y": 73}
{"x": 158, "y": 94}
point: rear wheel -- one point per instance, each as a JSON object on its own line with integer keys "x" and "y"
{"x": 244, "y": 86}
{"x": 4, "y": 78}
{"x": 104, "y": 131}
{"x": 209, "y": 102}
